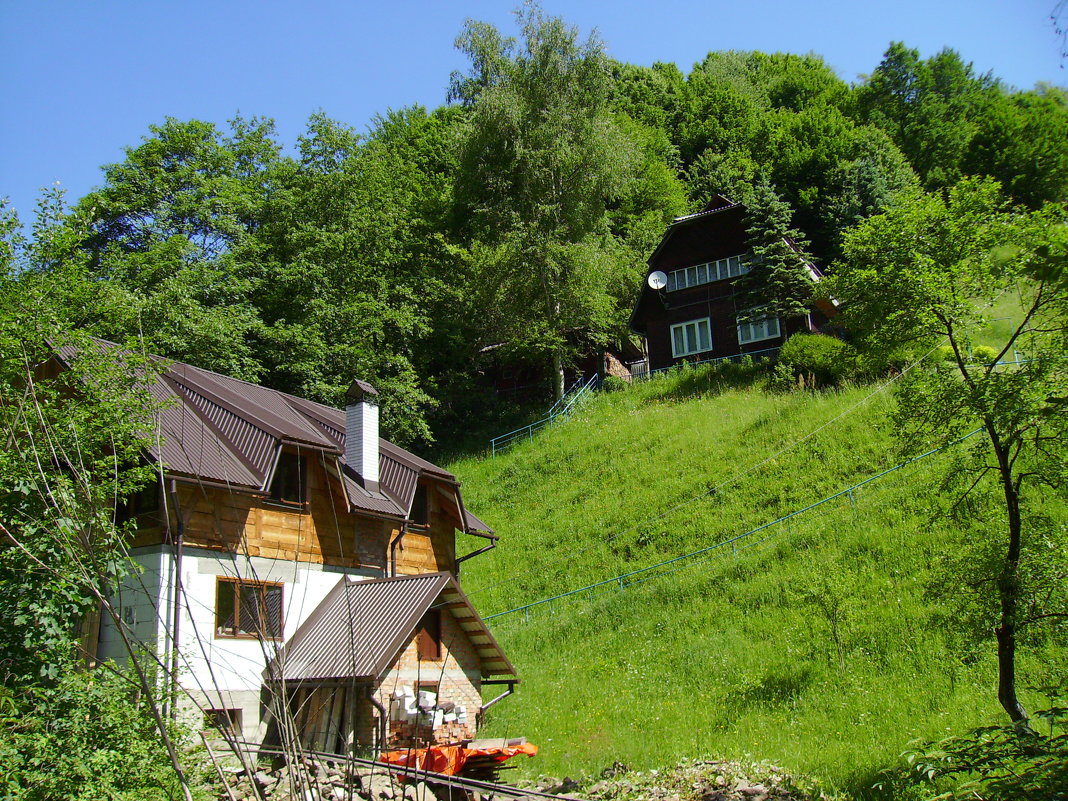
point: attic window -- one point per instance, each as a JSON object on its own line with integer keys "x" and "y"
{"x": 290, "y": 482}
{"x": 420, "y": 515}
{"x": 428, "y": 640}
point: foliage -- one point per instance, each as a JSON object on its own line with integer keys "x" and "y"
{"x": 72, "y": 447}
{"x": 819, "y": 359}
{"x": 995, "y": 763}
{"x": 541, "y": 158}
{"x": 84, "y": 738}
{"x": 925, "y": 272}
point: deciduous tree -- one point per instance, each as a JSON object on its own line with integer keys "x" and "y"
{"x": 927, "y": 272}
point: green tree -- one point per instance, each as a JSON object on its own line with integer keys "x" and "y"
{"x": 929, "y": 108}
{"x": 540, "y": 161}
{"x": 74, "y": 436}
{"x": 926, "y": 272}
{"x": 778, "y": 281}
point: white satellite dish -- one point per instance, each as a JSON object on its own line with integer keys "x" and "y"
{"x": 657, "y": 279}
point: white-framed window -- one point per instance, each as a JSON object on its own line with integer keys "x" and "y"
{"x": 706, "y": 273}
{"x": 691, "y": 337}
{"x": 758, "y": 328}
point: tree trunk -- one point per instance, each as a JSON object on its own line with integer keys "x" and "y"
{"x": 558, "y": 376}
{"x": 1008, "y": 590}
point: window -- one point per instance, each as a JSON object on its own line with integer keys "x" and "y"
{"x": 758, "y": 328}
{"x": 227, "y": 721}
{"x": 420, "y": 511}
{"x": 692, "y": 337}
{"x": 248, "y": 609}
{"x": 706, "y": 273}
{"x": 428, "y": 640}
{"x": 290, "y": 481}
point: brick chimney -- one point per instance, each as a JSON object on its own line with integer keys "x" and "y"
{"x": 361, "y": 432}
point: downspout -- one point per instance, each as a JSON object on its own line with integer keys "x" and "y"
{"x": 383, "y": 717}
{"x": 177, "y": 541}
{"x": 511, "y": 689}
{"x": 464, "y": 558}
{"x": 393, "y": 549}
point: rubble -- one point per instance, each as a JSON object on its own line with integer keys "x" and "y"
{"x": 696, "y": 780}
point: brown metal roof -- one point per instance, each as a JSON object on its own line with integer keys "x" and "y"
{"x": 224, "y": 430}
{"x": 361, "y": 627}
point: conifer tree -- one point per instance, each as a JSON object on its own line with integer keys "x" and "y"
{"x": 779, "y": 281}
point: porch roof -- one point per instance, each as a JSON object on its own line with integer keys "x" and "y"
{"x": 362, "y": 626}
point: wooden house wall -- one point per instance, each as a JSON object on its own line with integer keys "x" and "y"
{"x": 717, "y": 236}
{"x": 431, "y": 549}
{"x": 705, "y": 239}
{"x": 321, "y": 531}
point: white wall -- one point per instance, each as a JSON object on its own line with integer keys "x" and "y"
{"x": 220, "y": 672}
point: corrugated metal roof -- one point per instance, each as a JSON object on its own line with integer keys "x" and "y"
{"x": 398, "y": 480}
{"x": 229, "y": 431}
{"x": 361, "y": 627}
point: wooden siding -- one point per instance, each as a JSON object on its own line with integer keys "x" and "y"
{"x": 321, "y": 531}
{"x": 431, "y": 549}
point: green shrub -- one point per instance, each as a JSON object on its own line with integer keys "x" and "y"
{"x": 984, "y": 354}
{"x": 84, "y": 738}
{"x": 613, "y": 383}
{"x": 943, "y": 354}
{"x": 995, "y": 763}
{"x": 818, "y": 359}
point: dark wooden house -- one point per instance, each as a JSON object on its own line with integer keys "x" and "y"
{"x": 689, "y": 307}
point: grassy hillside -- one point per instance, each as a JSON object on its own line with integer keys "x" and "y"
{"x": 822, "y": 643}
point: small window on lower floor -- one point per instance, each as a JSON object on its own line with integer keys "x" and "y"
{"x": 758, "y": 328}
{"x": 227, "y": 721}
{"x": 692, "y": 337}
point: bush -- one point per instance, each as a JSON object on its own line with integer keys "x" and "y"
{"x": 943, "y": 354}
{"x": 984, "y": 354}
{"x": 84, "y": 738}
{"x": 613, "y": 383}
{"x": 995, "y": 763}
{"x": 818, "y": 359}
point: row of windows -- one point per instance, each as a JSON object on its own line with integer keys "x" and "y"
{"x": 717, "y": 270}
{"x": 695, "y": 336}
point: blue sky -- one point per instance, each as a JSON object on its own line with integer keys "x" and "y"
{"x": 86, "y": 79}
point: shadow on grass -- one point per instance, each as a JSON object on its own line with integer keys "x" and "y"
{"x": 466, "y": 432}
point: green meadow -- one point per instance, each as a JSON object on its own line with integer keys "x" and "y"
{"x": 824, "y": 643}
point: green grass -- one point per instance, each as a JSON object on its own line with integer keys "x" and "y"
{"x": 824, "y": 648}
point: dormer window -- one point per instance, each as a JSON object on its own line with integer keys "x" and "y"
{"x": 290, "y": 482}
{"x": 420, "y": 515}
{"x": 706, "y": 273}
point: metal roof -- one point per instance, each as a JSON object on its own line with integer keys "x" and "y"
{"x": 362, "y": 626}
{"x": 227, "y": 431}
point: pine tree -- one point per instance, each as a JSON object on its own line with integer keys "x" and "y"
{"x": 779, "y": 281}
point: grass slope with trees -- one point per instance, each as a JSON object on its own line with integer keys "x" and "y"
{"x": 825, "y": 643}
{"x": 510, "y": 226}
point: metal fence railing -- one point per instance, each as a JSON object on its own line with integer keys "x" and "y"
{"x": 560, "y": 410}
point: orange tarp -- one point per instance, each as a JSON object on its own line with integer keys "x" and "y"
{"x": 450, "y": 759}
